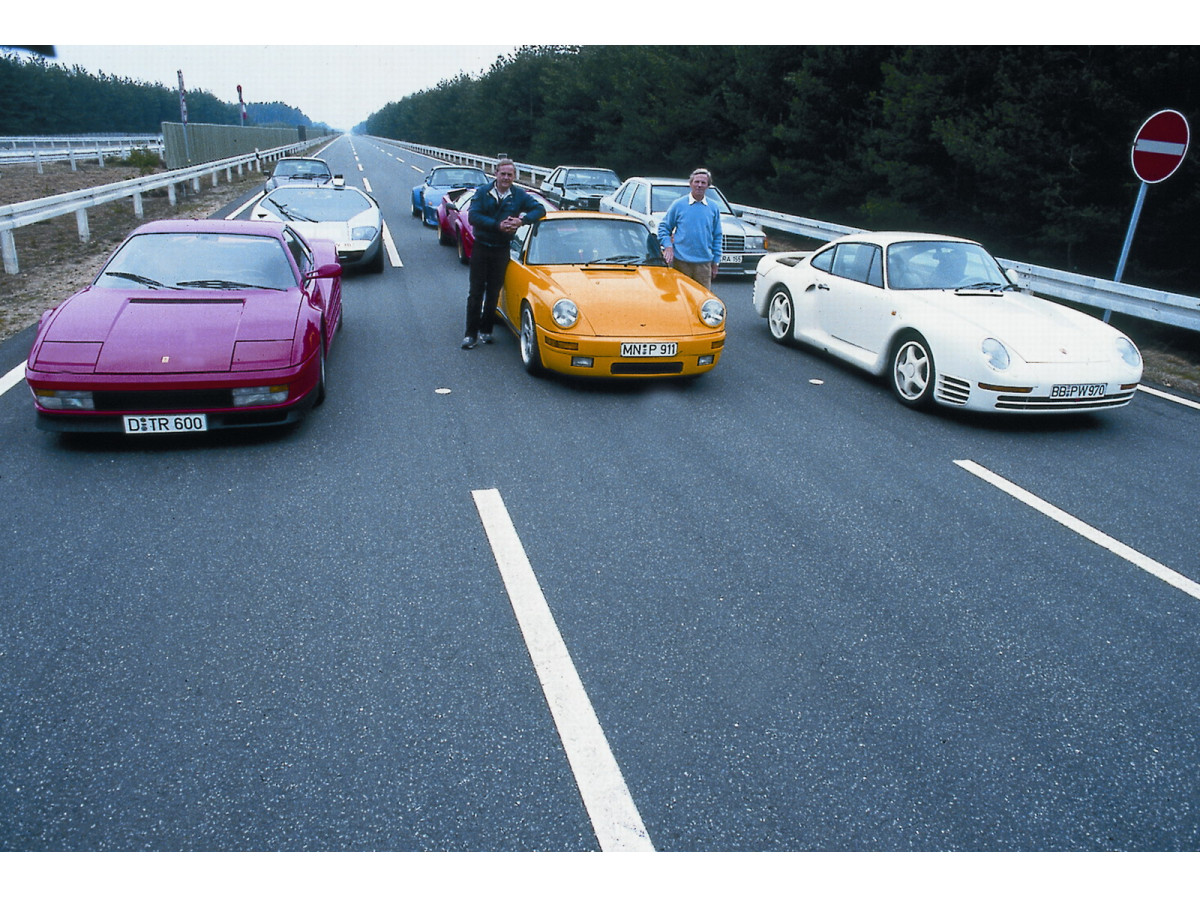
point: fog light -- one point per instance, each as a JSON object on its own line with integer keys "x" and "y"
{"x": 582, "y": 362}
{"x": 706, "y": 360}
{"x": 261, "y": 395}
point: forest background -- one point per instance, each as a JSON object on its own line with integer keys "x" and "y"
{"x": 1025, "y": 148}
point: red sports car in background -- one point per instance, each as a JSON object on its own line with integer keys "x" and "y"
{"x": 454, "y": 225}
{"x": 192, "y": 325}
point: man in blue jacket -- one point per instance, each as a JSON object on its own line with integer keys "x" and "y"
{"x": 497, "y": 211}
{"x": 690, "y": 232}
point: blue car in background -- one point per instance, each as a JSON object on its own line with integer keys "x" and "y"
{"x": 427, "y": 195}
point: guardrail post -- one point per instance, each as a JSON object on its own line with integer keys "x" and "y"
{"x": 37, "y": 158}
{"x": 138, "y": 209}
{"x": 71, "y": 153}
{"x": 171, "y": 194}
{"x": 216, "y": 179}
{"x": 81, "y": 219}
{"x": 8, "y": 248}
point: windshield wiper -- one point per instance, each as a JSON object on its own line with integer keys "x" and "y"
{"x": 291, "y": 216}
{"x": 222, "y": 284}
{"x": 140, "y": 279}
{"x": 981, "y": 286}
{"x": 628, "y": 259}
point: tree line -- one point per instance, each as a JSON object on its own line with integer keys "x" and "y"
{"x": 1026, "y": 149}
{"x": 39, "y": 97}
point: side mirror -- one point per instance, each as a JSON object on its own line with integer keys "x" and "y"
{"x": 329, "y": 270}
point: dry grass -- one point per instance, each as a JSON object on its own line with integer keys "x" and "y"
{"x": 53, "y": 262}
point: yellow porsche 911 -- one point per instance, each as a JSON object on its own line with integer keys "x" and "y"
{"x": 588, "y": 293}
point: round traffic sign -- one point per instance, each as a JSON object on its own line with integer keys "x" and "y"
{"x": 1159, "y": 146}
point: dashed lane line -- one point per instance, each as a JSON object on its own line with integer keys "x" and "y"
{"x": 615, "y": 818}
{"x": 1157, "y": 569}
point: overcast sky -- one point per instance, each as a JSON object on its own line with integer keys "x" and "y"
{"x": 341, "y": 84}
{"x": 338, "y": 85}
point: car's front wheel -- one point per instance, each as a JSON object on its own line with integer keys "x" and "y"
{"x": 781, "y": 315}
{"x": 912, "y": 371}
{"x": 531, "y": 356}
{"x": 462, "y": 251}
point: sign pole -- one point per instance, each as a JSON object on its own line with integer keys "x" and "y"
{"x": 1137, "y": 211}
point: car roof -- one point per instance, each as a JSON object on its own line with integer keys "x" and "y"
{"x": 896, "y": 237}
{"x": 210, "y": 226}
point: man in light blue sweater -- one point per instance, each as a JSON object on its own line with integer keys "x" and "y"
{"x": 690, "y": 232}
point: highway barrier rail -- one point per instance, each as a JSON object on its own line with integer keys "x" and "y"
{"x": 52, "y": 148}
{"x": 1162, "y": 307}
{"x": 17, "y": 215}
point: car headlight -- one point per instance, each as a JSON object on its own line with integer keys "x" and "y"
{"x": 712, "y": 312}
{"x": 565, "y": 313}
{"x": 995, "y": 354}
{"x": 1129, "y": 352}
{"x": 262, "y": 395}
{"x": 756, "y": 242}
{"x": 363, "y": 233}
{"x": 65, "y": 399}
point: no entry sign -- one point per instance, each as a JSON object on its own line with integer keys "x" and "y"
{"x": 1160, "y": 145}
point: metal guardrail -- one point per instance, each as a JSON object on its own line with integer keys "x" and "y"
{"x": 18, "y": 215}
{"x": 52, "y": 148}
{"x": 1163, "y": 307}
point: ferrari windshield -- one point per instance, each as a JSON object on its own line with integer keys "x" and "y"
{"x": 193, "y": 260}
{"x": 582, "y": 241}
{"x": 663, "y": 195}
{"x": 457, "y": 178}
{"x": 317, "y": 204}
{"x": 943, "y": 265}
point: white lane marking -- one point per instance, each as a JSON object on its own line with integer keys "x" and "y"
{"x": 416, "y": 169}
{"x": 367, "y": 185}
{"x": 245, "y": 206}
{"x": 1165, "y": 396}
{"x": 1157, "y": 569}
{"x": 12, "y": 379}
{"x": 615, "y": 818}
{"x": 390, "y": 246}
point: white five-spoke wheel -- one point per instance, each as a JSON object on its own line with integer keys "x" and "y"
{"x": 913, "y": 372}
{"x": 781, "y": 315}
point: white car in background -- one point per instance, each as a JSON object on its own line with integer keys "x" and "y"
{"x": 348, "y": 217}
{"x": 940, "y": 318}
{"x": 647, "y": 199}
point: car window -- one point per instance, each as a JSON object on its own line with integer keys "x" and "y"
{"x": 823, "y": 260}
{"x": 300, "y": 252}
{"x": 591, "y": 178}
{"x": 621, "y": 198}
{"x": 941, "y": 265}
{"x": 452, "y": 177}
{"x": 317, "y": 204}
{"x": 581, "y": 241}
{"x": 199, "y": 260}
{"x": 639, "y": 202}
{"x": 859, "y": 262}
{"x": 663, "y": 195}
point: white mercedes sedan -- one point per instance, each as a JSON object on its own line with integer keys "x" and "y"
{"x": 944, "y": 323}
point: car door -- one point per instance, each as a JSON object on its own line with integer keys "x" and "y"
{"x": 851, "y": 310}
{"x": 552, "y": 187}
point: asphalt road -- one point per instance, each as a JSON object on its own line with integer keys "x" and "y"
{"x": 781, "y": 612}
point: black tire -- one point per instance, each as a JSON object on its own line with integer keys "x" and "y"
{"x": 912, "y": 373}
{"x": 462, "y": 252}
{"x": 531, "y": 356}
{"x": 781, "y": 315}
{"x": 443, "y": 237}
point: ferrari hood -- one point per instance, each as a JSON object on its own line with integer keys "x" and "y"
{"x": 173, "y": 332}
{"x": 1039, "y": 331}
{"x": 632, "y": 300}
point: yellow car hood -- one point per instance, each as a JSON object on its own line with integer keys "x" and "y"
{"x": 632, "y": 300}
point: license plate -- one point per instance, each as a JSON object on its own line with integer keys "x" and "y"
{"x": 1070, "y": 391}
{"x": 731, "y": 258}
{"x": 662, "y": 349}
{"x": 173, "y": 424}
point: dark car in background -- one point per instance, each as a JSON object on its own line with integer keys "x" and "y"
{"x": 579, "y": 187}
